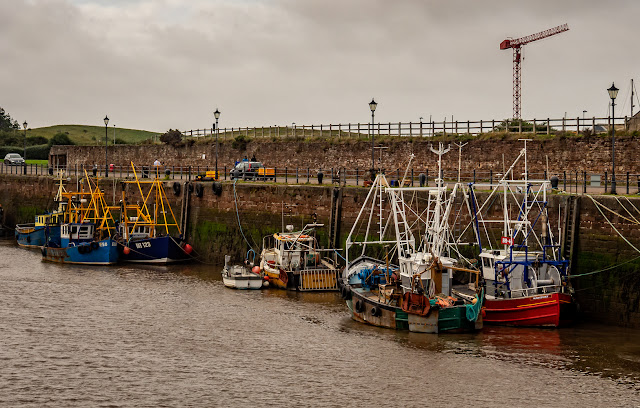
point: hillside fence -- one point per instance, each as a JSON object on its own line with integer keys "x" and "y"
{"x": 420, "y": 129}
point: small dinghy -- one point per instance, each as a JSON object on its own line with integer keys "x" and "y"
{"x": 241, "y": 277}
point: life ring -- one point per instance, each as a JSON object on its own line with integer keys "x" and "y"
{"x": 176, "y": 188}
{"x": 359, "y": 306}
{"x": 199, "y": 190}
{"x": 375, "y": 311}
{"x": 94, "y": 245}
{"x": 190, "y": 187}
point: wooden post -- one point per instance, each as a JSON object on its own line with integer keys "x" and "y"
{"x": 548, "y": 121}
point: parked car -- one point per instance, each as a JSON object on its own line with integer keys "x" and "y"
{"x": 13, "y": 159}
{"x": 246, "y": 170}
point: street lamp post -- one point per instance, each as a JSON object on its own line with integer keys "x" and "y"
{"x": 216, "y": 114}
{"x": 613, "y": 92}
{"x": 24, "y": 150}
{"x": 372, "y": 106}
{"x": 106, "y": 160}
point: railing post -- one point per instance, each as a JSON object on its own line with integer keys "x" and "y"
{"x": 308, "y": 175}
{"x": 548, "y": 121}
{"x": 627, "y": 178}
{"x": 564, "y": 180}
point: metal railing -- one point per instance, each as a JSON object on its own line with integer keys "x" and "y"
{"x": 418, "y": 129}
{"x": 571, "y": 181}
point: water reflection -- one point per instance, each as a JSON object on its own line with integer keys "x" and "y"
{"x": 606, "y": 351}
{"x": 175, "y": 336}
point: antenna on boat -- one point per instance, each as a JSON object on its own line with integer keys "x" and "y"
{"x": 460, "y": 146}
{"x": 440, "y": 152}
{"x": 524, "y": 151}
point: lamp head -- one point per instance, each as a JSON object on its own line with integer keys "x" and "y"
{"x": 24, "y": 125}
{"x": 106, "y": 120}
{"x": 613, "y": 91}
{"x": 216, "y": 114}
{"x": 372, "y": 105}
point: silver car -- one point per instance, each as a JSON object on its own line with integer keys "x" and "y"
{"x": 13, "y": 159}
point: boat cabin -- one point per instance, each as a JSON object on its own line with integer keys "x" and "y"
{"x": 292, "y": 250}
{"x": 75, "y": 232}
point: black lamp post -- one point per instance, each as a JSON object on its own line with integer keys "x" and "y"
{"x": 106, "y": 161}
{"x": 372, "y": 106}
{"x": 24, "y": 151}
{"x": 613, "y": 92}
{"x": 216, "y": 114}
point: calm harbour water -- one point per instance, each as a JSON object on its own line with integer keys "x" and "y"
{"x": 175, "y": 336}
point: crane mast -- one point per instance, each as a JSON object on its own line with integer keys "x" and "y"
{"x": 516, "y": 44}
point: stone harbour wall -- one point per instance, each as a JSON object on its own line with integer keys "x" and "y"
{"x": 592, "y": 154}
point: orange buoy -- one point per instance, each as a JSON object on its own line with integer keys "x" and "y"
{"x": 266, "y": 278}
{"x": 256, "y": 270}
{"x": 126, "y": 250}
{"x": 188, "y": 248}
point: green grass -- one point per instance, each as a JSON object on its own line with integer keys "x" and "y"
{"x": 37, "y": 161}
{"x": 92, "y": 135}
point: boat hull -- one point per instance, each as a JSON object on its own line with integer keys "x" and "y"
{"x": 364, "y": 309}
{"x": 30, "y": 236}
{"x": 158, "y": 250}
{"x": 243, "y": 282}
{"x": 277, "y": 278}
{"x": 547, "y": 310}
{"x": 103, "y": 252}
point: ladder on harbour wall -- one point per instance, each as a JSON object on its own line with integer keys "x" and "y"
{"x": 335, "y": 217}
{"x": 571, "y": 227}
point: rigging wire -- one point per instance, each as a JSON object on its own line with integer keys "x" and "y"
{"x": 235, "y": 201}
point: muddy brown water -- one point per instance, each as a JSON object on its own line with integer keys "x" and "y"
{"x": 78, "y": 336}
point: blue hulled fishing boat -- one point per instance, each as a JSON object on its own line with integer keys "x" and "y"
{"x": 148, "y": 232}
{"x": 46, "y": 226}
{"x": 86, "y": 229}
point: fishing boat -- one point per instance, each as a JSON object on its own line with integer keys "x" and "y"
{"x": 416, "y": 294}
{"x": 241, "y": 277}
{"x": 46, "y": 226}
{"x": 148, "y": 232}
{"x": 85, "y": 230}
{"x": 292, "y": 260}
{"x": 527, "y": 280}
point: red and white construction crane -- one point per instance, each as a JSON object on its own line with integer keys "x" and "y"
{"x": 516, "y": 44}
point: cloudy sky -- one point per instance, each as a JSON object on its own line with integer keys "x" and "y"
{"x": 160, "y": 64}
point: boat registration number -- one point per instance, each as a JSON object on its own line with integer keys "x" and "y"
{"x": 144, "y": 244}
{"x": 507, "y": 241}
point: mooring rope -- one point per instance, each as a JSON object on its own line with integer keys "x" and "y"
{"x": 612, "y": 226}
{"x": 608, "y": 268}
{"x": 235, "y": 201}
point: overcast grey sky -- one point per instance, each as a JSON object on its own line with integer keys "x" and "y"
{"x": 160, "y": 64}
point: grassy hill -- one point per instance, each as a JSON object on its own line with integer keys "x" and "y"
{"x": 91, "y": 135}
